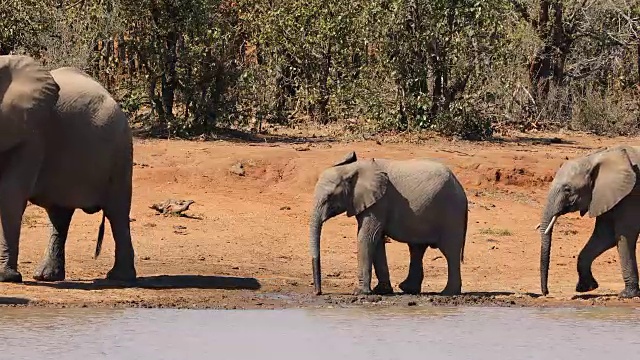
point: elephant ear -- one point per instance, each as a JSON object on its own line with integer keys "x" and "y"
{"x": 350, "y": 158}
{"x": 369, "y": 184}
{"x": 613, "y": 178}
{"x": 28, "y": 92}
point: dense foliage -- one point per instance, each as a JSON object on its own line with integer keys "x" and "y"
{"x": 459, "y": 67}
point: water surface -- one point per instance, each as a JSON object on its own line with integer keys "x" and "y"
{"x": 354, "y": 334}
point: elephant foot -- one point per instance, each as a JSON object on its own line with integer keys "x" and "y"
{"x": 383, "y": 288}
{"x": 50, "y": 270}
{"x": 451, "y": 291}
{"x": 122, "y": 273}
{"x": 586, "y": 285}
{"x": 10, "y": 276}
{"x": 410, "y": 287}
{"x": 630, "y": 292}
{"x": 360, "y": 291}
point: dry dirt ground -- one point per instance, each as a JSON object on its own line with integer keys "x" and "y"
{"x": 245, "y": 241}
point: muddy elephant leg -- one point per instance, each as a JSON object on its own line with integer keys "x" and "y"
{"x": 627, "y": 252}
{"x": 52, "y": 267}
{"x": 381, "y": 268}
{"x": 452, "y": 254}
{"x": 369, "y": 234}
{"x": 601, "y": 240}
{"x": 17, "y": 178}
{"x": 413, "y": 283}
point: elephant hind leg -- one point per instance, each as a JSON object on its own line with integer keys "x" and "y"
{"x": 627, "y": 240}
{"x": 117, "y": 210}
{"x": 118, "y": 215}
{"x": 601, "y": 240}
{"x": 452, "y": 253}
{"x": 52, "y": 267}
{"x": 413, "y": 283}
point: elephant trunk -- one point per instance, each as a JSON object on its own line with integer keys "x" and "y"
{"x": 314, "y": 245}
{"x": 549, "y": 217}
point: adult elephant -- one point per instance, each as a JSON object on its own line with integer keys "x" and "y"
{"x": 64, "y": 144}
{"x": 419, "y": 202}
{"x": 603, "y": 184}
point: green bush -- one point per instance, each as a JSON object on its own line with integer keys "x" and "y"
{"x": 460, "y": 68}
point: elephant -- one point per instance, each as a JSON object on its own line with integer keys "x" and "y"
{"x": 419, "y": 202}
{"x": 65, "y": 144}
{"x": 604, "y": 185}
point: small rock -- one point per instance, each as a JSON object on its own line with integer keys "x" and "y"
{"x": 180, "y": 230}
{"x": 145, "y": 258}
{"x": 492, "y": 247}
{"x": 202, "y": 258}
{"x": 237, "y": 169}
{"x": 436, "y": 258}
{"x": 412, "y": 303}
{"x": 235, "y": 268}
{"x": 285, "y": 208}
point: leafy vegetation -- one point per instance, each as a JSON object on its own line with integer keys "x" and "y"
{"x": 461, "y": 68}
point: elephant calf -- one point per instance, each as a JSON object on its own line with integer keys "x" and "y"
{"x": 605, "y": 185}
{"x": 419, "y": 202}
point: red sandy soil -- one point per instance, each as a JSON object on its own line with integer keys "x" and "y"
{"x": 253, "y": 229}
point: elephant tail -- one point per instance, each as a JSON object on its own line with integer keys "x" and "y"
{"x": 100, "y": 237}
{"x": 464, "y": 232}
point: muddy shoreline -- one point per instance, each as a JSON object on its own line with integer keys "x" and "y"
{"x": 244, "y": 244}
{"x": 243, "y": 300}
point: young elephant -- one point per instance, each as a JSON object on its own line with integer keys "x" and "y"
{"x": 419, "y": 202}
{"x": 605, "y": 185}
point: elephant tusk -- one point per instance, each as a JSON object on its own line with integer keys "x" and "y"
{"x": 553, "y": 222}
{"x": 537, "y": 226}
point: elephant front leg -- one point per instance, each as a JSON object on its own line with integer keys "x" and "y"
{"x": 627, "y": 251}
{"x": 601, "y": 240}
{"x": 369, "y": 234}
{"x": 17, "y": 179}
{"x": 11, "y": 211}
{"x": 413, "y": 283}
{"x": 381, "y": 268}
{"x": 52, "y": 267}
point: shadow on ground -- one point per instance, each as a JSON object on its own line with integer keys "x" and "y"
{"x": 532, "y": 140}
{"x": 427, "y": 294}
{"x": 159, "y": 282}
{"x": 10, "y": 300}
{"x": 593, "y": 296}
{"x": 239, "y": 136}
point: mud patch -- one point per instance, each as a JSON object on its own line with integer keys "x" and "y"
{"x": 515, "y": 176}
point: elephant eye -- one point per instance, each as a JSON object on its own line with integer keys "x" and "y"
{"x": 566, "y": 188}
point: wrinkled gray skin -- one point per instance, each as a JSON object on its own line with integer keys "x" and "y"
{"x": 418, "y": 202}
{"x": 65, "y": 146}
{"x": 604, "y": 185}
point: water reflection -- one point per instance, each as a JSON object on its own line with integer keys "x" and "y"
{"x": 354, "y": 334}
